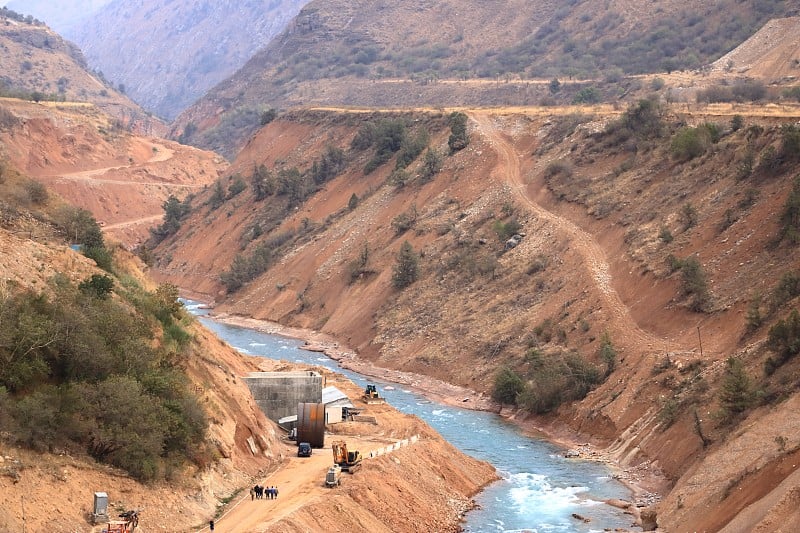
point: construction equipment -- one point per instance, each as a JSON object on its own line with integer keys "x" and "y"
{"x": 130, "y": 519}
{"x": 334, "y": 476}
{"x": 347, "y": 460}
{"x": 371, "y": 395}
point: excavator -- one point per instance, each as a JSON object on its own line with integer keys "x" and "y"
{"x": 347, "y": 460}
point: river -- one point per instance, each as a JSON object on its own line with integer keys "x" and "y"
{"x": 539, "y": 490}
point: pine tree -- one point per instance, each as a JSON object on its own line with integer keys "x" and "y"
{"x": 406, "y": 271}
{"x": 736, "y": 394}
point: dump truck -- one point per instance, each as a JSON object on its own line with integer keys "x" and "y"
{"x": 348, "y": 461}
{"x": 371, "y": 395}
{"x": 334, "y": 476}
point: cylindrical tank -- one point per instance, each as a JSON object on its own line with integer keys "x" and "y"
{"x": 311, "y": 424}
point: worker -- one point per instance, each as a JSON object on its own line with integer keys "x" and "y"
{"x": 211, "y": 525}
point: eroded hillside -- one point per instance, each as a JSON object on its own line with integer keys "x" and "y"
{"x": 69, "y": 343}
{"x": 637, "y": 258}
{"x": 81, "y": 153}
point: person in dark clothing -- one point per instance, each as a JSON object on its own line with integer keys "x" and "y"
{"x": 211, "y": 525}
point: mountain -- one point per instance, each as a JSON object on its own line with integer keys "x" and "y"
{"x": 455, "y": 53}
{"x": 168, "y": 53}
{"x": 628, "y": 273}
{"x": 38, "y": 64}
{"x": 60, "y": 15}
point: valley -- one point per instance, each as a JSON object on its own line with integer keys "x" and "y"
{"x": 586, "y": 224}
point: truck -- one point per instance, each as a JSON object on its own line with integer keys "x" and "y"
{"x": 348, "y": 461}
{"x": 333, "y": 478}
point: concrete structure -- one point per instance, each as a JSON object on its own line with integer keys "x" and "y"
{"x": 100, "y": 509}
{"x": 334, "y": 400}
{"x": 278, "y": 393}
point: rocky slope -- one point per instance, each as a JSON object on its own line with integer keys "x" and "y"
{"x": 167, "y": 54}
{"x": 38, "y": 64}
{"x": 451, "y": 53}
{"x": 591, "y": 266}
{"x": 82, "y": 154}
{"x": 247, "y": 448}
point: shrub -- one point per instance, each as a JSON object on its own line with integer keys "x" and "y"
{"x": 85, "y": 373}
{"x": 665, "y": 235}
{"x": 329, "y": 165}
{"x": 459, "y": 138}
{"x": 695, "y": 284}
{"x": 587, "y": 95}
{"x": 689, "y": 215}
{"x": 405, "y": 221}
{"x": 507, "y": 385}
{"x": 236, "y": 187}
{"x": 690, "y": 142}
{"x": 558, "y": 379}
{"x": 608, "y": 354}
{"x": 560, "y": 167}
{"x": 37, "y": 193}
{"x": 99, "y": 286}
{"x": 787, "y": 288}
{"x": 411, "y": 147}
{"x": 406, "y": 270}
{"x": 784, "y": 340}
{"x": 431, "y": 165}
{"x": 790, "y": 216}
{"x": 753, "y": 318}
{"x": 790, "y": 143}
{"x": 506, "y": 230}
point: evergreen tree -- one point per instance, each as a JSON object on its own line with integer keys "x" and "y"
{"x": 406, "y": 271}
{"x": 736, "y": 394}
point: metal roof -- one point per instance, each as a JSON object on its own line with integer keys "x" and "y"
{"x": 332, "y": 394}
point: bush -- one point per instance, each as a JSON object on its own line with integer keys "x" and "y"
{"x": 506, "y": 230}
{"x": 507, "y": 385}
{"x": 406, "y": 270}
{"x": 788, "y": 287}
{"x": 587, "y": 95}
{"x": 608, "y": 354}
{"x": 558, "y": 379}
{"x": 690, "y": 142}
{"x": 790, "y": 217}
{"x": 695, "y": 284}
{"x": 459, "y": 138}
{"x": 82, "y": 372}
{"x": 784, "y": 340}
{"x": 404, "y": 221}
{"x": 431, "y": 165}
{"x": 665, "y": 235}
{"x": 99, "y": 286}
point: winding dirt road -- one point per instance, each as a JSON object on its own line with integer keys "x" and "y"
{"x": 582, "y": 242}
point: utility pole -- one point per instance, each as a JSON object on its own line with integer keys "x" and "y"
{"x": 701, "y": 341}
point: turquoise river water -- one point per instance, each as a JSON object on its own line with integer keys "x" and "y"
{"x": 539, "y": 490}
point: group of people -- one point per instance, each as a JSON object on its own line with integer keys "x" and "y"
{"x": 258, "y": 492}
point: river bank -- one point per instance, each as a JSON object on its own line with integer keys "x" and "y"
{"x": 644, "y": 481}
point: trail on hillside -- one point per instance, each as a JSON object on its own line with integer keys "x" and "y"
{"x": 128, "y": 223}
{"x": 581, "y": 241}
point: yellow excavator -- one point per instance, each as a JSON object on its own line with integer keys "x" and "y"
{"x": 347, "y": 460}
